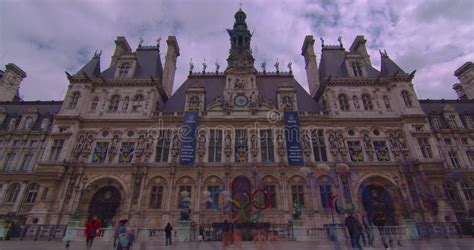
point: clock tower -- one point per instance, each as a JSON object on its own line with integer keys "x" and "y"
{"x": 10, "y": 82}
{"x": 240, "y": 92}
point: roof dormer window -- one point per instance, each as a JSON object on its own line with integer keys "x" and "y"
{"x": 124, "y": 69}
{"x": 357, "y": 69}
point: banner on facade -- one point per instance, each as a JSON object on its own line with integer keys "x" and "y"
{"x": 293, "y": 139}
{"x": 187, "y": 150}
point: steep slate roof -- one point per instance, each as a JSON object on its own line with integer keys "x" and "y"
{"x": 332, "y": 64}
{"x": 389, "y": 67}
{"x": 437, "y": 106}
{"x": 214, "y": 86}
{"x": 91, "y": 68}
{"x": 46, "y": 109}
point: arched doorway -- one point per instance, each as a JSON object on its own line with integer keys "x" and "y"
{"x": 104, "y": 204}
{"x": 378, "y": 205}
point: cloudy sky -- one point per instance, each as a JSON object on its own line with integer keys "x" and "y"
{"x": 47, "y": 37}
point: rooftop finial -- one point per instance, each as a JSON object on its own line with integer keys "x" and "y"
{"x": 339, "y": 38}
{"x": 322, "y": 41}
{"x": 191, "y": 66}
{"x": 140, "y": 41}
{"x": 277, "y": 66}
{"x": 217, "y": 66}
{"x": 264, "y": 65}
{"x": 158, "y": 41}
{"x": 204, "y": 66}
{"x": 289, "y": 67}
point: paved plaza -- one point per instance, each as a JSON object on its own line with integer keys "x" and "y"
{"x": 437, "y": 244}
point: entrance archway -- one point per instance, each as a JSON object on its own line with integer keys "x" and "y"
{"x": 378, "y": 205}
{"x": 241, "y": 192}
{"x": 104, "y": 204}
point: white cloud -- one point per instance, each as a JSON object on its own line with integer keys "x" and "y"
{"x": 47, "y": 37}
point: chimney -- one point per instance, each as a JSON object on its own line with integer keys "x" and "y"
{"x": 311, "y": 65}
{"x": 359, "y": 46}
{"x": 121, "y": 48}
{"x": 170, "y": 65}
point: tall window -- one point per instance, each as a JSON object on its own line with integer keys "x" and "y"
{"x": 114, "y": 103}
{"x": 425, "y": 148}
{"x": 319, "y": 147}
{"x": 367, "y": 101}
{"x": 26, "y": 162}
{"x": 156, "y": 197}
{"x": 181, "y": 189}
{"x": 94, "y": 103}
{"x": 435, "y": 122}
{"x": 266, "y": 144}
{"x": 272, "y": 192}
{"x": 241, "y": 147}
{"x": 212, "y": 189}
{"x": 12, "y": 193}
{"x": 453, "y": 156}
{"x": 406, "y": 98}
{"x": 452, "y": 121}
{"x": 123, "y": 70}
{"x": 32, "y": 192}
{"x": 467, "y": 190}
{"x": 297, "y": 194}
{"x": 215, "y": 145}
{"x": 56, "y": 149}
{"x": 356, "y": 68}
{"x": 163, "y": 145}
{"x": 344, "y": 102}
{"x": 325, "y": 191}
{"x": 386, "y": 101}
{"x": 137, "y": 103}
{"x": 74, "y": 99}
{"x": 8, "y": 164}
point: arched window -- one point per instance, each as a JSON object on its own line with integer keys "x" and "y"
{"x": 137, "y": 103}
{"x": 74, "y": 99}
{"x": 28, "y": 123}
{"x": 325, "y": 190}
{"x": 114, "y": 103}
{"x": 12, "y": 193}
{"x": 406, "y": 98}
{"x": 467, "y": 190}
{"x": 344, "y": 102}
{"x": 123, "y": 70}
{"x": 367, "y": 101}
{"x": 94, "y": 103}
{"x": 32, "y": 192}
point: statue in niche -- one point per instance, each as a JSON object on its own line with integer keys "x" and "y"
{"x": 175, "y": 142}
{"x": 240, "y": 84}
{"x": 12, "y": 124}
{"x": 367, "y": 141}
{"x": 228, "y": 141}
{"x": 254, "y": 140}
{"x": 332, "y": 140}
{"x": 280, "y": 142}
{"x": 140, "y": 145}
{"x": 306, "y": 139}
{"x": 218, "y": 101}
{"x": 253, "y": 101}
{"x": 88, "y": 143}
{"x": 45, "y": 124}
{"x": 202, "y": 139}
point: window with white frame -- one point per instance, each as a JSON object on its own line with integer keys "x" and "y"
{"x": 137, "y": 103}
{"x": 163, "y": 145}
{"x": 114, "y": 103}
{"x": 26, "y": 162}
{"x": 343, "y": 102}
{"x": 8, "y": 164}
{"x": 407, "y": 99}
{"x": 425, "y": 148}
{"x": 453, "y": 156}
{"x": 215, "y": 145}
{"x": 74, "y": 99}
{"x": 266, "y": 145}
{"x": 124, "y": 69}
{"x": 367, "y": 102}
{"x": 32, "y": 193}
{"x": 56, "y": 149}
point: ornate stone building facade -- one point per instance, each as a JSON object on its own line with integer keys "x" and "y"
{"x": 116, "y": 146}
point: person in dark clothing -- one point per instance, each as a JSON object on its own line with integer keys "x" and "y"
{"x": 168, "y": 231}
{"x": 353, "y": 226}
{"x": 225, "y": 232}
{"x": 92, "y": 230}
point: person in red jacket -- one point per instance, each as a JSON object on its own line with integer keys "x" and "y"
{"x": 92, "y": 230}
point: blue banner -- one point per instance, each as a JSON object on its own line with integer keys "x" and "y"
{"x": 293, "y": 139}
{"x": 187, "y": 150}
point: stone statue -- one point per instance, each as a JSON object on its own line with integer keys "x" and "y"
{"x": 277, "y": 66}
{"x": 217, "y": 67}
{"x": 297, "y": 210}
{"x": 12, "y": 124}
{"x": 191, "y": 66}
{"x": 202, "y": 139}
{"x": 264, "y": 65}
{"x": 240, "y": 84}
{"x": 204, "y": 66}
{"x": 45, "y": 124}
{"x": 175, "y": 142}
{"x": 289, "y": 67}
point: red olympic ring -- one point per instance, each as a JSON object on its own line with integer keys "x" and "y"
{"x": 255, "y": 202}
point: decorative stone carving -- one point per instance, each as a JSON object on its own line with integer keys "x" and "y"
{"x": 114, "y": 147}
{"x": 12, "y": 124}
{"x": 337, "y": 144}
{"x": 194, "y": 103}
{"x": 306, "y": 135}
{"x": 140, "y": 149}
{"x": 240, "y": 84}
{"x": 280, "y": 144}
{"x": 369, "y": 149}
{"x": 228, "y": 144}
{"x": 254, "y": 143}
{"x": 201, "y": 143}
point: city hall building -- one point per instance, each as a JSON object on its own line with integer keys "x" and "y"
{"x": 122, "y": 145}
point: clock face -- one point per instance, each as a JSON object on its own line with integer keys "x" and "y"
{"x": 241, "y": 100}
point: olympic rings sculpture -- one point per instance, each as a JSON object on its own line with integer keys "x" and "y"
{"x": 250, "y": 199}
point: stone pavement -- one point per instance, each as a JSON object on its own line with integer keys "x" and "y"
{"x": 437, "y": 244}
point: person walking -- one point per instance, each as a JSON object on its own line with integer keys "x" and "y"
{"x": 353, "y": 226}
{"x": 131, "y": 239}
{"x": 92, "y": 230}
{"x": 225, "y": 233}
{"x": 168, "y": 231}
